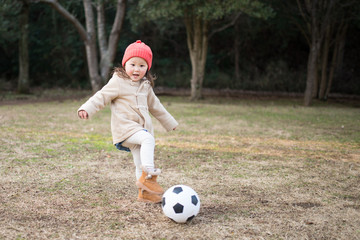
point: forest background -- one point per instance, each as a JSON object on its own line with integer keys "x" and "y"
{"x": 264, "y": 167}
{"x": 251, "y": 45}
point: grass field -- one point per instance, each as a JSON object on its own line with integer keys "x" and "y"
{"x": 264, "y": 169}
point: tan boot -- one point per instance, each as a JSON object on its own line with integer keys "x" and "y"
{"x": 145, "y": 196}
{"x": 148, "y": 182}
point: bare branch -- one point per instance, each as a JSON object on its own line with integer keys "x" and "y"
{"x": 226, "y": 25}
{"x": 188, "y": 19}
{"x": 101, "y": 27}
{"x": 116, "y": 28}
{"x": 304, "y": 32}
{"x": 71, "y": 18}
{"x": 89, "y": 18}
{"x": 303, "y": 15}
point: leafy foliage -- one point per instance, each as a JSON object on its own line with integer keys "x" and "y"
{"x": 209, "y": 10}
{"x": 272, "y": 51}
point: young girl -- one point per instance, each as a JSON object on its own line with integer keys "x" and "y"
{"x": 132, "y": 97}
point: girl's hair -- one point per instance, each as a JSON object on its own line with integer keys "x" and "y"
{"x": 120, "y": 71}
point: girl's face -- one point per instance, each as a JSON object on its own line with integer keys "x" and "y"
{"x": 136, "y": 68}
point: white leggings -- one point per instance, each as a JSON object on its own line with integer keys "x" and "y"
{"x": 142, "y": 145}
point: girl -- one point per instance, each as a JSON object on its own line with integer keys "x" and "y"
{"x": 132, "y": 97}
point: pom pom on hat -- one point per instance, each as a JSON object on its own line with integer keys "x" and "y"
{"x": 138, "y": 49}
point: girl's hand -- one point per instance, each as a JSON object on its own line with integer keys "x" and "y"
{"x": 83, "y": 114}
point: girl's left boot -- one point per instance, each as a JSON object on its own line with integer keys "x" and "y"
{"x": 148, "y": 183}
{"x": 145, "y": 196}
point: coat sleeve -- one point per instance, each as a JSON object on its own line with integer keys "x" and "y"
{"x": 101, "y": 98}
{"x": 160, "y": 113}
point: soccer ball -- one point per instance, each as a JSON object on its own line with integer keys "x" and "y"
{"x": 180, "y": 203}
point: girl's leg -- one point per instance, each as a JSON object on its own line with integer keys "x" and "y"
{"x": 144, "y": 143}
{"x": 147, "y": 146}
{"x": 135, "y": 151}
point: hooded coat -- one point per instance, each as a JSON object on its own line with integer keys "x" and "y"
{"x": 131, "y": 102}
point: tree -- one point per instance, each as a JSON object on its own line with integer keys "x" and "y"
{"x": 23, "y": 80}
{"x": 198, "y": 16}
{"x": 325, "y": 29}
{"x": 98, "y": 67}
{"x": 15, "y": 34}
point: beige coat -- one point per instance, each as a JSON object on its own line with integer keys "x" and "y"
{"x": 131, "y": 103}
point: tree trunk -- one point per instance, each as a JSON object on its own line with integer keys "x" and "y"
{"x": 331, "y": 72}
{"x": 340, "y": 58}
{"x": 317, "y": 15}
{"x": 90, "y": 47}
{"x": 313, "y": 56}
{"x": 108, "y": 48}
{"x": 338, "y": 53}
{"x": 98, "y": 75}
{"x": 101, "y": 33}
{"x": 311, "y": 75}
{"x": 237, "y": 51}
{"x": 23, "y": 81}
{"x": 317, "y": 76}
{"x": 197, "y": 40}
{"x": 324, "y": 64}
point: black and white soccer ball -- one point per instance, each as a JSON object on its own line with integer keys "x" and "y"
{"x": 180, "y": 203}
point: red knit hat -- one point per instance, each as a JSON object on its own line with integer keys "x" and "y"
{"x": 138, "y": 49}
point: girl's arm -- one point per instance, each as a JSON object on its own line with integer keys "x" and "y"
{"x": 160, "y": 113}
{"x": 100, "y": 99}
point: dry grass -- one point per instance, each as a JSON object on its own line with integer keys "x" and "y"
{"x": 263, "y": 170}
